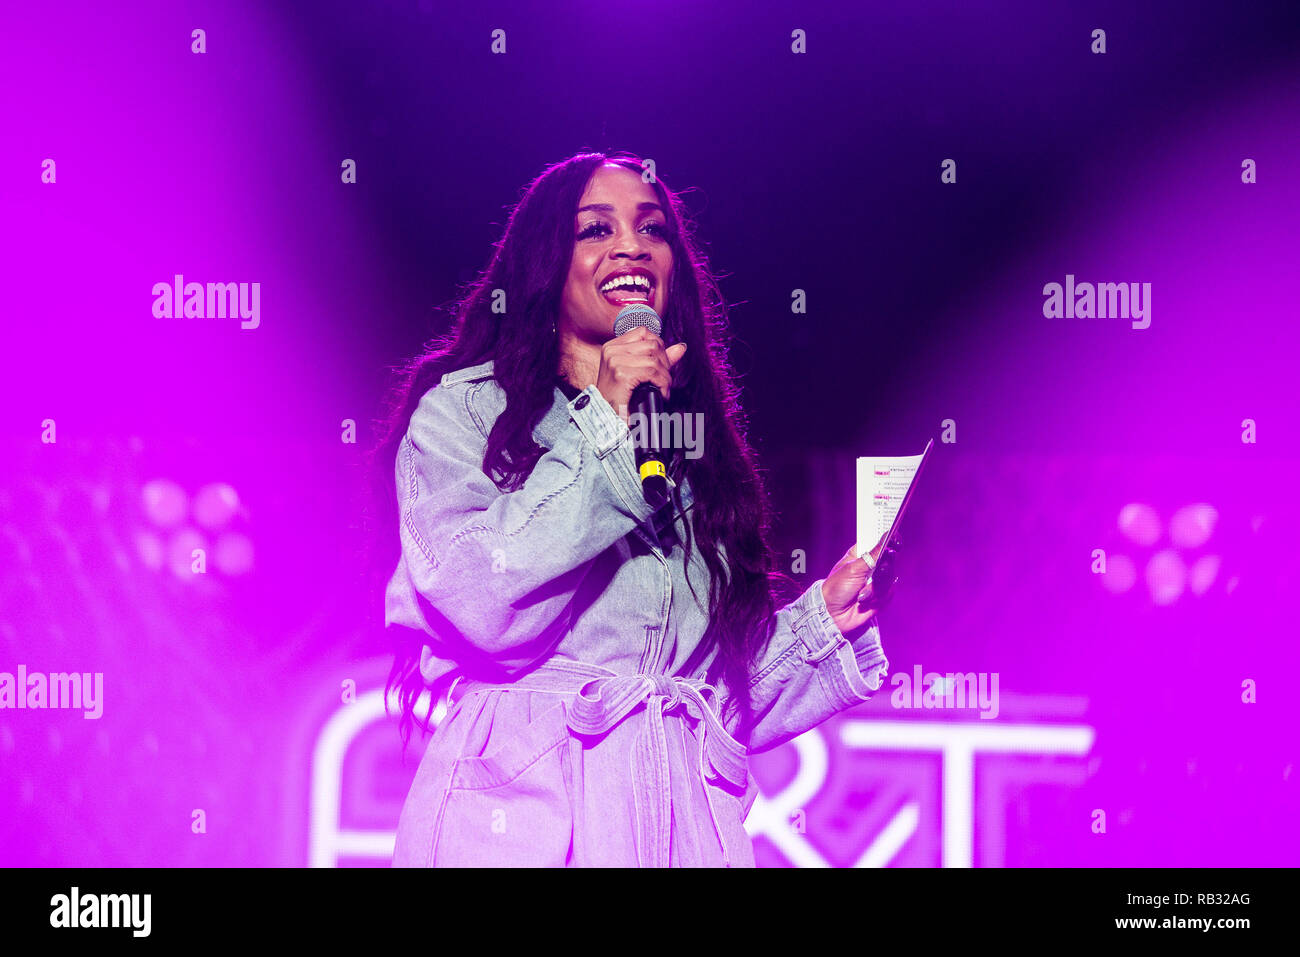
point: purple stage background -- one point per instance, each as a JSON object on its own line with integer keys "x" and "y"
{"x": 1147, "y": 714}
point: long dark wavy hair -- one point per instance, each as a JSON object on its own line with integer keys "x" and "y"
{"x": 731, "y": 516}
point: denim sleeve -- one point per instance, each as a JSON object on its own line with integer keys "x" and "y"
{"x": 809, "y": 671}
{"x": 500, "y": 568}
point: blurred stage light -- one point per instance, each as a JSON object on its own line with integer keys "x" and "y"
{"x": 234, "y": 554}
{"x": 1120, "y": 574}
{"x": 1166, "y": 577}
{"x": 164, "y": 502}
{"x": 215, "y": 505}
{"x": 1167, "y": 573}
{"x": 1203, "y": 574}
{"x": 180, "y": 553}
{"x": 213, "y": 509}
{"x": 1140, "y": 523}
{"x": 1192, "y": 525}
{"x": 149, "y": 548}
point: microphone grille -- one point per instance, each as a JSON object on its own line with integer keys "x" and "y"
{"x": 637, "y": 315}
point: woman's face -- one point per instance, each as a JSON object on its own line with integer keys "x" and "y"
{"x": 621, "y": 253}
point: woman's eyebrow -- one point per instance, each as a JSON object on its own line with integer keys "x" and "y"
{"x": 609, "y": 207}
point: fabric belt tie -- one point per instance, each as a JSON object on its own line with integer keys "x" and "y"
{"x": 604, "y": 699}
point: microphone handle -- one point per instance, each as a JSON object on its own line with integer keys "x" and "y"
{"x": 651, "y": 454}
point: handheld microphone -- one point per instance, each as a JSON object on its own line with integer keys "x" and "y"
{"x": 647, "y": 403}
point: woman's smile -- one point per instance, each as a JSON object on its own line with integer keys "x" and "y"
{"x": 624, "y": 287}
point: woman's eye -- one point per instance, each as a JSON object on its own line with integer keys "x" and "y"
{"x": 602, "y": 229}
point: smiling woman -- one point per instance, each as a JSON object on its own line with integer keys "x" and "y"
{"x": 622, "y": 256}
{"x": 603, "y": 688}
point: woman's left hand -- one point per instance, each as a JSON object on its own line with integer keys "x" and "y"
{"x": 856, "y": 588}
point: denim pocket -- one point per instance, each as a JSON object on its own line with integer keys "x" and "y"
{"x": 510, "y": 806}
{"x": 518, "y": 750}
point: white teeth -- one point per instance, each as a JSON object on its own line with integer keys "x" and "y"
{"x": 626, "y": 281}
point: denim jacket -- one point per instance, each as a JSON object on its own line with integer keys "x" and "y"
{"x": 580, "y": 728}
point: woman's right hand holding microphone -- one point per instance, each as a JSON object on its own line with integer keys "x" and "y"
{"x": 636, "y": 356}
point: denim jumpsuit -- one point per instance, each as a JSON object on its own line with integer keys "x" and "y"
{"x": 579, "y": 728}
